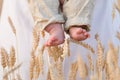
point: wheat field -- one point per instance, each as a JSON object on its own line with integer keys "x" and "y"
{"x": 103, "y": 67}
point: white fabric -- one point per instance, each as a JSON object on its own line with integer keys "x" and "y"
{"x": 20, "y": 14}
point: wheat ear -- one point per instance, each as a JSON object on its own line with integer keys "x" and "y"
{"x": 73, "y": 71}
{"x": 56, "y": 70}
{"x": 35, "y": 39}
{"x": 99, "y": 56}
{"x": 55, "y": 52}
{"x": 118, "y": 5}
{"x": 3, "y": 58}
{"x": 12, "y": 25}
{"x": 82, "y": 67}
{"x": 1, "y": 4}
{"x": 48, "y": 75}
{"x": 66, "y": 49}
{"x": 90, "y": 62}
{"x": 32, "y": 65}
{"x": 87, "y": 46}
{"x": 40, "y": 58}
{"x": 118, "y": 35}
{"x": 12, "y": 58}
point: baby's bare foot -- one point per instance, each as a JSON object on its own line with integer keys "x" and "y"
{"x": 56, "y": 34}
{"x": 77, "y": 33}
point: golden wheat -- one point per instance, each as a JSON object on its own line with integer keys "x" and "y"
{"x": 55, "y": 52}
{"x": 90, "y": 62}
{"x": 11, "y": 70}
{"x": 93, "y": 77}
{"x": 113, "y": 12}
{"x": 87, "y": 46}
{"x": 99, "y": 53}
{"x": 3, "y": 57}
{"x": 19, "y": 77}
{"x": 12, "y": 25}
{"x": 37, "y": 68}
{"x": 82, "y": 68}
{"x": 40, "y": 59}
{"x": 73, "y": 71}
{"x": 1, "y": 4}
{"x": 117, "y": 5}
{"x": 66, "y": 49}
{"x": 12, "y": 58}
{"x": 56, "y": 71}
{"x": 118, "y": 35}
{"x": 106, "y": 68}
{"x": 35, "y": 39}
{"x": 43, "y": 33}
{"x": 48, "y": 75}
{"x": 32, "y": 65}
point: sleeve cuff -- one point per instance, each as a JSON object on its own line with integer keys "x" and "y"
{"x": 41, "y": 24}
{"x": 77, "y": 22}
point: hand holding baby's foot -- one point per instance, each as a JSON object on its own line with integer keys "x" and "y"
{"x": 77, "y": 33}
{"x": 56, "y": 34}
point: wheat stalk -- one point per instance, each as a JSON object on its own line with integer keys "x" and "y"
{"x": 99, "y": 56}
{"x": 87, "y": 46}
{"x": 82, "y": 68}
{"x": 113, "y": 12}
{"x": 93, "y": 77}
{"x": 40, "y": 58}
{"x": 43, "y": 33}
{"x": 118, "y": 35}
{"x": 3, "y": 58}
{"x": 35, "y": 39}
{"x": 12, "y": 58}
{"x": 90, "y": 62}
{"x": 1, "y": 4}
{"x": 19, "y": 77}
{"x": 55, "y": 52}
{"x": 11, "y": 70}
{"x": 56, "y": 71}
{"x": 114, "y": 54}
{"x": 118, "y": 5}
{"x": 73, "y": 71}
{"x": 106, "y": 71}
{"x": 12, "y": 25}
{"x": 55, "y": 65}
{"x": 32, "y": 65}
{"x": 112, "y": 61}
{"x": 37, "y": 68}
{"x": 66, "y": 49}
{"x": 48, "y": 75}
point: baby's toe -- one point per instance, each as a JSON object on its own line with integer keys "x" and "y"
{"x": 87, "y": 35}
{"x": 79, "y": 31}
{"x": 81, "y": 37}
{"x": 53, "y": 41}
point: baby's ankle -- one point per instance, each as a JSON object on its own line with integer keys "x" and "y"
{"x": 53, "y": 27}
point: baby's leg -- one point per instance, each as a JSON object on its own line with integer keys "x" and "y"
{"x": 56, "y": 34}
{"x": 50, "y": 19}
{"x": 78, "y": 17}
{"x": 77, "y": 33}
